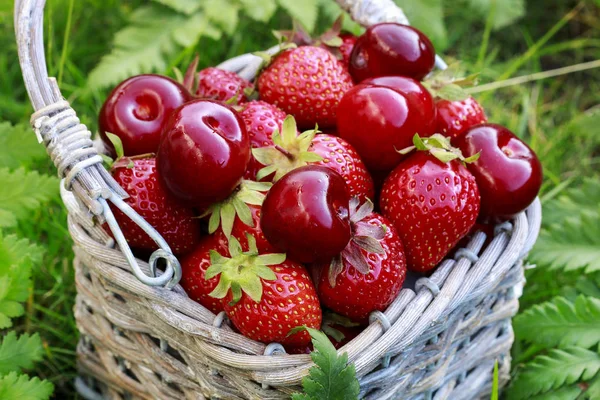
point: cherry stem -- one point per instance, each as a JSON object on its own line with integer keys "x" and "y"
{"x": 283, "y": 151}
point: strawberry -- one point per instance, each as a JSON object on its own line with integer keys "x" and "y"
{"x": 307, "y": 82}
{"x": 261, "y": 120}
{"x": 369, "y": 273}
{"x": 239, "y": 215}
{"x": 264, "y": 295}
{"x": 147, "y": 196}
{"x": 432, "y": 200}
{"x": 194, "y": 267}
{"x": 218, "y": 84}
{"x": 291, "y": 151}
{"x": 455, "y": 117}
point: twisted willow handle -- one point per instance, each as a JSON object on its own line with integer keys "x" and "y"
{"x": 69, "y": 145}
{"x": 364, "y": 12}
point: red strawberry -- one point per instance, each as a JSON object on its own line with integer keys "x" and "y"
{"x": 264, "y": 295}
{"x": 291, "y": 151}
{"x": 194, "y": 267}
{"x": 173, "y": 220}
{"x": 239, "y": 215}
{"x": 261, "y": 120}
{"x": 455, "y": 117}
{"x": 369, "y": 273}
{"x": 218, "y": 84}
{"x": 432, "y": 204}
{"x": 307, "y": 82}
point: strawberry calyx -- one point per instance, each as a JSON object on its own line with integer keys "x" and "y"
{"x": 289, "y": 152}
{"x": 439, "y": 146}
{"x": 223, "y": 213}
{"x": 243, "y": 271}
{"x": 121, "y": 161}
{"x": 445, "y": 84}
{"x": 364, "y": 237}
{"x": 330, "y": 39}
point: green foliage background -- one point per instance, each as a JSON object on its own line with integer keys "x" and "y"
{"x": 93, "y": 44}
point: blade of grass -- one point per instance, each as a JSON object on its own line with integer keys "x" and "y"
{"x": 63, "y": 55}
{"x": 489, "y": 24}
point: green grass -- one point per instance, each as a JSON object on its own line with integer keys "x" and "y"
{"x": 555, "y": 116}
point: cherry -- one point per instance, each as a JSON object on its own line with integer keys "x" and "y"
{"x": 137, "y": 111}
{"x": 391, "y": 49}
{"x": 508, "y": 173}
{"x": 378, "y": 121}
{"x": 203, "y": 153}
{"x": 306, "y": 215}
{"x": 416, "y": 93}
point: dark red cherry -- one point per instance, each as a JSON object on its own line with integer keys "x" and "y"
{"x": 417, "y": 94}
{"x": 137, "y": 111}
{"x": 203, "y": 153}
{"x": 378, "y": 121}
{"x": 391, "y": 49}
{"x": 508, "y": 173}
{"x": 305, "y": 214}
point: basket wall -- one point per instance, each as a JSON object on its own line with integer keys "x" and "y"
{"x": 144, "y": 342}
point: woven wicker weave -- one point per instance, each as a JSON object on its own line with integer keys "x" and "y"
{"x": 438, "y": 340}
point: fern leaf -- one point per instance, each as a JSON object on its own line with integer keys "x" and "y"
{"x": 21, "y": 192}
{"x": 564, "y": 393}
{"x": 561, "y": 323}
{"x": 593, "y": 390}
{"x": 552, "y": 371}
{"x": 18, "y": 146}
{"x": 574, "y": 200}
{"x": 332, "y": 378}
{"x": 506, "y": 12}
{"x": 19, "y": 353}
{"x": 304, "y": 11}
{"x": 259, "y": 10}
{"x": 152, "y": 36}
{"x": 183, "y": 6}
{"x": 571, "y": 244}
{"x": 13, "y": 386}
{"x": 222, "y": 13}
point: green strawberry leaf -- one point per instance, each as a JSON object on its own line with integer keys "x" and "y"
{"x": 18, "y": 353}
{"x": 21, "y": 387}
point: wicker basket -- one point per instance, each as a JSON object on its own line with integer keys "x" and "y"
{"x": 142, "y": 337}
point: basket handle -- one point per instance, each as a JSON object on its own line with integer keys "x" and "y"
{"x": 69, "y": 144}
{"x": 364, "y": 12}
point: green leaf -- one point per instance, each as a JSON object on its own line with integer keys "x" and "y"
{"x": 559, "y": 367}
{"x": 573, "y": 201}
{"x": 561, "y": 323}
{"x": 21, "y": 387}
{"x": 227, "y": 218}
{"x": 452, "y": 92}
{"x": 259, "y": 10}
{"x": 304, "y": 11}
{"x": 19, "y": 146}
{"x": 308, "y": 156}
{"x": 184, "y": 6}
{"x": 427, "y": 16}
{"x": 571, "y": 244}
{"x": 564, "y": 393}
{"x": 153, "y": 35}
{"x": 271, "y": 259}
{"x": 19, "y": 353}
{"x": 243, "y": 212}
{"x": 506, "y": 12}
{"x": 593, "y": 391}
{"x": 223, "y": 13}
{"x": 117, "y": 144}
{"x": 332, "y": 377}
{"x": 22, "y": 192}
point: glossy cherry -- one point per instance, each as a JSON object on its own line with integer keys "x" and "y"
{"x": 305, "y": 214}
{"x": 391, "y": 49}
{"x": 204, "y": 152}
{"x": 508, "y": 173}
{"x": 137, "y": 111}
{"x": 420, "y": 98}
{"x": 378, "y": 121}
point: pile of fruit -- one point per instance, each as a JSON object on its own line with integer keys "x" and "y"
{"x": 302, "y": 198}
